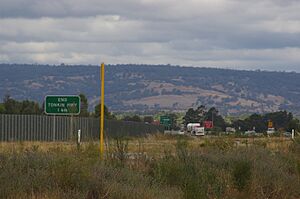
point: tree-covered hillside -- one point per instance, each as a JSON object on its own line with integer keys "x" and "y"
{"x": 148, "y": 87}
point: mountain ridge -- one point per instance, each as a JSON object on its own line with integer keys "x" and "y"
{"x": 131, "y": 87}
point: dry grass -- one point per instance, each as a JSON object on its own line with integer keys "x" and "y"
{"x": 165, "y": 167}
{"x": 158, "y": 143}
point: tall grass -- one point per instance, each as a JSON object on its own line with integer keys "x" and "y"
{"x": 226, "y": 172}
{"x": 216, "y": 169}
{"x": 72, "y": 174}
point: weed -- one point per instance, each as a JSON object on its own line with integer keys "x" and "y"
{"x": 218, "y": 169}
{"x": 241, "y": 174}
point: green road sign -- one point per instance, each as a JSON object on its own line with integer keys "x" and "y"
{"x": 62, "y": 105}
{"x": 166, "y": 121}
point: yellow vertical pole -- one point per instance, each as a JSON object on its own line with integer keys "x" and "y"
{"x": 102, "y": 113}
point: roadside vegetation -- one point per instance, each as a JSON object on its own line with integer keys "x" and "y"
{"x": 282, "y": 121}
{"x": 157, "y": 166}
{"x": 181, "y": 167}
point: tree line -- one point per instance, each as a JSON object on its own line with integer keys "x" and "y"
{"x": 12, "y": 106}
{"x": 282, "y": 120}
{"x": 201, "y": 114}
{"x": 28, "y": 107}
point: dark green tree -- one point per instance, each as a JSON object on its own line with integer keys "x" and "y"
{"x": 30, "y": 107}
{"x": 294, "y": 124}
{"x": 281, "y": 120}
{"x": 11, "y": 106}
{"x": 107, "y": 114}
{"x": 256, "y": 121}
{"x": 134, "y": 118}
{"x": 195, "y": 116}
{"x": 200, "y": 115}
{"x": 84, "y": 106}
{"x": 148, "y": 119}
{"x": 2, "y": 109}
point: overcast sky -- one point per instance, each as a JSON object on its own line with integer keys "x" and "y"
{"x": 239, "y": 34}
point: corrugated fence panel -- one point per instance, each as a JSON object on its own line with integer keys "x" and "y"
{"x": 64, "y": 128}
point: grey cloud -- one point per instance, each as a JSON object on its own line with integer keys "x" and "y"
{"x": 113, "y": 29}
{"x": 145, "y": 9}
{"x": 69, "y": 8}
{"x": 224, "y": 33}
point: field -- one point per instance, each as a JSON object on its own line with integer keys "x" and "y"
{"x": 156, "y": 166}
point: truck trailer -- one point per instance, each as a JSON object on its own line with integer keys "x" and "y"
{"x": 195, "y": 129}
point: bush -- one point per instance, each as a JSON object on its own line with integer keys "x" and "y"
{"x": 295, "y": 147}
{"x": 261, "y": 143}
{"x": 252, "y": 172}
{"x": 222, "y": 143}
{"x": 216, "y": 170}
{"x": 59, "y": 173}
{"x": 241, "y": 174}
{"x": 188, "y": 172}
{"x": 119, "y": 151}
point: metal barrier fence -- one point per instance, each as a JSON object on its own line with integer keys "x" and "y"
{"x": 63, "y": 128}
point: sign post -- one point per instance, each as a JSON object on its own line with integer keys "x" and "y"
{"x": 62, "y": 105}
{"x": 54, "y": 127}
{"x": 78, "y": 139}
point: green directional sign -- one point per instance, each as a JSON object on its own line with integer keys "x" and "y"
{"x": 165, "y": 121}
{"x": 62, "y": 104}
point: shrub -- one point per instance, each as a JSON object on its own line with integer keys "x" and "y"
{"x": 222, "y": 143}
{"x": 261, "y": 143}
{"x": 189, "y": 172}
{"x": 217, "y": 170}
{"x": 295, "y": 146}
{"x": 241, "y": 174}
{"x": 118, "y": 153}
{"x": 75, "y": 174}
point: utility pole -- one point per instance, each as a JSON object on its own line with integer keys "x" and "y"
{"x": 212, "y": 119}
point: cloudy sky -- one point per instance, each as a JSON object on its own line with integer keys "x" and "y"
{"x": 241, "y": 34}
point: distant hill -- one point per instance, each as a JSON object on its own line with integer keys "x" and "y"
{"x": 159, "y": 87}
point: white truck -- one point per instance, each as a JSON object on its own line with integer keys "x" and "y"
{"x": 270, "y": 131}
{"x": 195, "y": 129}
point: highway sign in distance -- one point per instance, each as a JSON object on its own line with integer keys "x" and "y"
{"x": 270, "y": 124}
{"x": 208, "y": 124}
{"x": 62, "y": 104}
{"x": 165, "y": 120}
